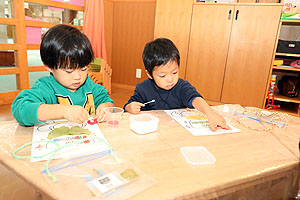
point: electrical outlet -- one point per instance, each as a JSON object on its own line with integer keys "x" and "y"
{"x": 138, "y": 73}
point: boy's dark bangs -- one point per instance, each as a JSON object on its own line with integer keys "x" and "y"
{"x": 164, "y": 61}
{"x": 74, "y": 58}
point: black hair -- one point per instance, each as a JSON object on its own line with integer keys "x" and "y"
{"x": 159, "y": 52}
{"x": 65, "y": 47}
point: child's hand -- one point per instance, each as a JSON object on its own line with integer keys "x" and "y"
{"x": 75, "y": 113}
{"x": 134, "y": 107}
{"x": 215, "y": 120}
{"x": 100, "y": 114}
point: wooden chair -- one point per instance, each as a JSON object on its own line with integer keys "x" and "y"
{"x": 103, "y": 77}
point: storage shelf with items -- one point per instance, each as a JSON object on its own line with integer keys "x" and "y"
{"x": 286, "y": 69}
{"x": 22, "y": 23}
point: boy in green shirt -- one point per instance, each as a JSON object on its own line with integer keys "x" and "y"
{"x": 68, "y": 92}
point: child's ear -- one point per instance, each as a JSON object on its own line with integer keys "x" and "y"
{"x": 148, "y": 75}
{"x": 49, "y": 69}
{"x": 89, "y": 67}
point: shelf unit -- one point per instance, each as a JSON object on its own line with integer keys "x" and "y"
{"x": 16, "y": 24}
{"x": 287, "y": 104}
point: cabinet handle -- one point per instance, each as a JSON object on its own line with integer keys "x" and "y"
{"x": 229, "y": 14}
{"x": 237, "y": 14}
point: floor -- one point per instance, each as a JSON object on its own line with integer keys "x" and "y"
{"x": 11, "y": 186}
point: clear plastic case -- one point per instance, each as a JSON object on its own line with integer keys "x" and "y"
{"x": 197, "y": 155}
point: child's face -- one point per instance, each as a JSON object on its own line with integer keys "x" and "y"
{"x": 71, "y": 79}
{"x": 165, "y": 76}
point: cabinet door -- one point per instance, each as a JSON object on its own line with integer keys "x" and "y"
{"x": 250, "y": 54}
{"x": 209, "y": 38}
{"x": 173, "y": 21}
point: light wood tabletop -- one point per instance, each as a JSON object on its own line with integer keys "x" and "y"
{"x": 249, "y": 164}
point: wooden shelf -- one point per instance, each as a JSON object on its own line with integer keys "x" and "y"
{"x": 288, "y": 105}
{"x": 290, "y": 21}
{"x": 20, "y": 45}
{"x": 279, "y": 97}
{"x": 285, "y": 110}
{"x": 287, "y": 68}
{"x": 288, "y": 54}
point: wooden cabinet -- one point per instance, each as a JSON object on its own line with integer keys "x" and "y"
{"x": 290, "y": 30}
{"x": 208, "y": 48}
{"x": 173, "y": 21}
{"x": 231, "y": 49}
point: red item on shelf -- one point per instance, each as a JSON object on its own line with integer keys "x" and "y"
{"x": 295, "y": 64}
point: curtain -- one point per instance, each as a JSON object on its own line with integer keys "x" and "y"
{"x": 93, "y": 26}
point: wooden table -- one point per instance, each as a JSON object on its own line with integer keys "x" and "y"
{"x": 249, "y": 164}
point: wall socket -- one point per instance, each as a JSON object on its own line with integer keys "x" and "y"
{"x": 138, "y": 73}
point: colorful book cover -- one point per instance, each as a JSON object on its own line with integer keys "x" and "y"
{"x": 291, "y": 10}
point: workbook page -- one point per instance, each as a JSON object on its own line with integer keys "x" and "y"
{"x": 196, "y": 122}
{"x": 67, "y": 138}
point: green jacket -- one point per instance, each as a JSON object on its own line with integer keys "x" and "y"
{"x": 47, "y": 90}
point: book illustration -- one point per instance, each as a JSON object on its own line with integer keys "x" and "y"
{"x": 78, "y": 139}
{"x": 63, "y": 130}
{"x": 196, "y": 122}
{"x": 53, "y": 124}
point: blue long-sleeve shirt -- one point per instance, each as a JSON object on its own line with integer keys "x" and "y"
{"x": 180, "y": 96}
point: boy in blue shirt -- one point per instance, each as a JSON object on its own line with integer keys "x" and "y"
{"x": 68, "y": 92}
{"x": 164, "y": 89}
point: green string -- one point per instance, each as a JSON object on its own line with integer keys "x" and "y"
{"x": 53, "y": 153}
{"x": 111, "y": 150}
{"x": 30, "y": 143}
